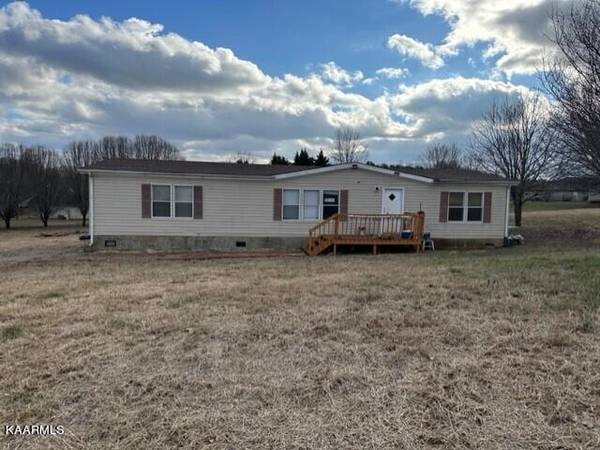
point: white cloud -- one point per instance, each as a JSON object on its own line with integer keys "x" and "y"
{"x": 209, "y": 101}
{"x": 450, "y": 105}
{"x": 335, "y": 74}
{"x": 515, "y": 30}
{"x": 132, "y": 53}
{"x": 391, "y": 73}
{"x": 424, "y": 52}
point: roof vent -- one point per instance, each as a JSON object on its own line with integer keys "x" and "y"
{"x": 355, "y": 166}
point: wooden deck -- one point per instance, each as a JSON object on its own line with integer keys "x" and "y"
{"x": 366, "y": 229}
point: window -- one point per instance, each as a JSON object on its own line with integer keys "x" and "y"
{"x": 456, "y": 210}
{"x": 331, "y": 203}
{"x": 475, "y": 207}
{"x": 183, "y": 201}
{"x": 465, "y": 207}
{"x": 161, "y": 201}
{"x": 291, "y": 204}
{"x": 311, "y": 205}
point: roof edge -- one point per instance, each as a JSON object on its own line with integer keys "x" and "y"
{"x": 300, "y": 173}
{"x": 91, "y": 171}
{"x": 346, "y": 166}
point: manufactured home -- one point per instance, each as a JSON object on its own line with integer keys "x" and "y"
{"x": 188, "y": 205}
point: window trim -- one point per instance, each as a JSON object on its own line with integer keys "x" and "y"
{"x": 171, "y": 201}
{"x": 301, "y": 217}
{"x": 162, "y": 201}
{"x": 319, "y": 205}
{"x": 465, "y": 207}
{"x": 482, "y": 207}
{"x": 175, "y": 201}
{"x": 322, "y": 205}
{"x": 300, "y": 205}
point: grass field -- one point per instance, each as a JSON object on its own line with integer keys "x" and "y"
{"x": 554, "y": 206}
{"x": 494, "y": 349}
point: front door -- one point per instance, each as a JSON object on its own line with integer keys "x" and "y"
{"x": 393, "y": 201}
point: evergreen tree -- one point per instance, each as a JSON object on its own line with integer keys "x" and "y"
{"x": 279, "y": 160}
{"x": 321, "y": 160}
{"x": 302, "y": 158}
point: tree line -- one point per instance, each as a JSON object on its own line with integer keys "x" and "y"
{"x": 44, "y": 179}
{"x": 302, "y": 158}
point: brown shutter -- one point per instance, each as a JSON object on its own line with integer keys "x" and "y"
{"x": 146, "y": 201}
{"x": 198, "y": 202}
{"x": 343, "y": 201}
{"x": 487, "y": 207}
{"x": 444, "y": 206}
{"x": 277, "y": 199}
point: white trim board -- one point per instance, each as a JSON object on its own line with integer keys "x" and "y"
{"x": 353, "y": 166}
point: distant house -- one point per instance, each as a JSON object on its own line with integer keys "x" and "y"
{"x": 575, "y": 189}
{"x": 169, "y": 205}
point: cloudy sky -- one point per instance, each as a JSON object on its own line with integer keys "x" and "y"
{"x": 218, "y": 77}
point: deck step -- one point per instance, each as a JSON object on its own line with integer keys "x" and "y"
{"x": 314, "y": 247}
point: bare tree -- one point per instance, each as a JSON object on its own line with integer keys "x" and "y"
{"x": 573, "y": 80}
{"x": 348, "y": 146}
{"x": 443, "y": 156}
{"x": 84, "y": 153}
{"x": 45, "y": 181}
{"x": 513, "y": 139}
{"x": 76, "y": 155}
{"x": 12, "y": 182}
{"x": 153, "y": 147}
{"x": 244, "y": 158}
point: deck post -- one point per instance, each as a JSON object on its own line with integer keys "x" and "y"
{"x": 374, "y": 249}
{"x": 334, "y": 249}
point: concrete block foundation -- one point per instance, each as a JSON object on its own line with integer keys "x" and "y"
{"x": 242, "y": 243}
{"x": 191, "y": 243}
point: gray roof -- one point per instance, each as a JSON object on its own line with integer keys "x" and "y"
{"x": 268, "y": 170}
{"x": 195, "y": 167}
{"x": 447, "y": 174}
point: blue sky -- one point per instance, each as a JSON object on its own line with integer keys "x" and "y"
{"x": 406, "y": 73}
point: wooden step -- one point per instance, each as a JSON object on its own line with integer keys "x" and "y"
{"x": 317, "y": 246}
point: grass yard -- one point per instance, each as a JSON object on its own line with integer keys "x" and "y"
{"x": 555, "y": 206}
{"x": 494, "y": 349}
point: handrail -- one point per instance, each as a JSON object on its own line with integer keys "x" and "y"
{"x": 379, "y": 225}
{"x": 321, "y": 224}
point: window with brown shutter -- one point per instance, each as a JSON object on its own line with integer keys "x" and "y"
{"x": 146, "y": 201}
{"x": 277, "y": 195}
{"x": 444, "y": 206}
{"x": 198, "y": 202}
{"x": 487, "y": 207}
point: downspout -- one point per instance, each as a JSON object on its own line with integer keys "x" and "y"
{"x": 91, "y": 212}
{"x": 507, "y": 211}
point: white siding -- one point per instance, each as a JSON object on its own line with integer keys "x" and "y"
{"x": 245, "y": 208}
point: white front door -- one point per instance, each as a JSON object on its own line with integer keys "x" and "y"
{"x": 392, "y": 201}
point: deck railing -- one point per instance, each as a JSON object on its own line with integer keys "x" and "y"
{"x": 407, "y": 226}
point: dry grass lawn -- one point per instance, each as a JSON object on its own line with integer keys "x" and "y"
{"x": 494, "y": 349}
